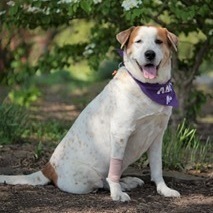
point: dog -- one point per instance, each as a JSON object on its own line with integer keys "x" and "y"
{"x": 125, "y": 120}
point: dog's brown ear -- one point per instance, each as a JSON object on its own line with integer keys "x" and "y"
{"x": 173, "y": 40}
{"x": 123, "y": 36}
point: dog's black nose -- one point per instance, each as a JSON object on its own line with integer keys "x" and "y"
{"x": 150, "y": 55}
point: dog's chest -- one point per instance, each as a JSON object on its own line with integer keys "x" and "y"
{"x": 148, "y": 130}
{"x": 149, "y": 119}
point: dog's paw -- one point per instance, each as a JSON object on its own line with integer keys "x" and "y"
{"x": 128, "y": 183}
{"x": 167, "y": 192}
{"x": 116, "y": 192}
{"x": 121, "y": 196}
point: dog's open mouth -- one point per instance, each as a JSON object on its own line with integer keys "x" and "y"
{"x": 150, "y": 71}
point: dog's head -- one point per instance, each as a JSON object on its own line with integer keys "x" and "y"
{"x": 147, "y": 52}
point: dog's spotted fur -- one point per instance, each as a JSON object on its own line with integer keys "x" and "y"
{"x": 117, "y": 127}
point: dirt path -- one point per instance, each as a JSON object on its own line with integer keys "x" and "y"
{"x": 195, "y": 198}
{"x": 197, "y": 194}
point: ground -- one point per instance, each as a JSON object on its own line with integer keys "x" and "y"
{"x": 20, "y": 158}
{"x": 196, "y": 193}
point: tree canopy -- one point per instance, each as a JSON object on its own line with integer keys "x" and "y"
{"x": 190, "y": 20}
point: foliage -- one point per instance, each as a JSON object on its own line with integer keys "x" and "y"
{"x": 13, "y": 122}
{"x": 38, "y": 150}
{"x": 45, "y": 131}
{"x": 184, "y": 18}
{"x": 183, "y": 149}
{"x": 24, "y": 96}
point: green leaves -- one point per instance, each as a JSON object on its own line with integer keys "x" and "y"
{"x": 86, "y": 5}
{"x": 24, "y": 96}
{"x": 109, "y": 18}
{"x": 13, "y": 10}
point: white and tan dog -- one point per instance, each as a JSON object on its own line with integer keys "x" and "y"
{"x": 118, "y": 126}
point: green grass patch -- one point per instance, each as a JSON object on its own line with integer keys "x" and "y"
{"x": 13, "y": 122}
{"x": 16, "y": 126}
{"x": 183, "y": 149}
{"x": 51, "y": 131}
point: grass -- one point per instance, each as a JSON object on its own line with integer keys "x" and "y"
{"x": 16, "y": 126}
{"x": 50, "y": 131}
{"x": 13, "y": 122}
{"x": 183, "y": 149}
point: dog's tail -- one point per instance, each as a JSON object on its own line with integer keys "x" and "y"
{"x": 42, "y": 177}
{"x": 33, "y": 179}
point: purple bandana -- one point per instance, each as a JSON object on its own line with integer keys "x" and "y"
{"x": 162, "y": 94}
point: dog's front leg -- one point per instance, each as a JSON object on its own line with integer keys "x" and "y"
{"x": 155, "y": 162}
{"x": 118, "y": 146}
{"x": 122, "y": 125}
{"x": 113, "y": 181}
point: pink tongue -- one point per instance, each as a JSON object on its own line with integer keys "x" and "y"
{"x": 149, "y": 72}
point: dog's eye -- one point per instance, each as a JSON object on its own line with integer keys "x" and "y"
{"x": 138, "y": 41}
{"x": 158, "y": 41}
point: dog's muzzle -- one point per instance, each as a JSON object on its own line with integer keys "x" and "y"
{"x": 149, "y": 70}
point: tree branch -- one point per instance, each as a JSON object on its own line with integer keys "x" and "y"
{"x": 198, "y": 60}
